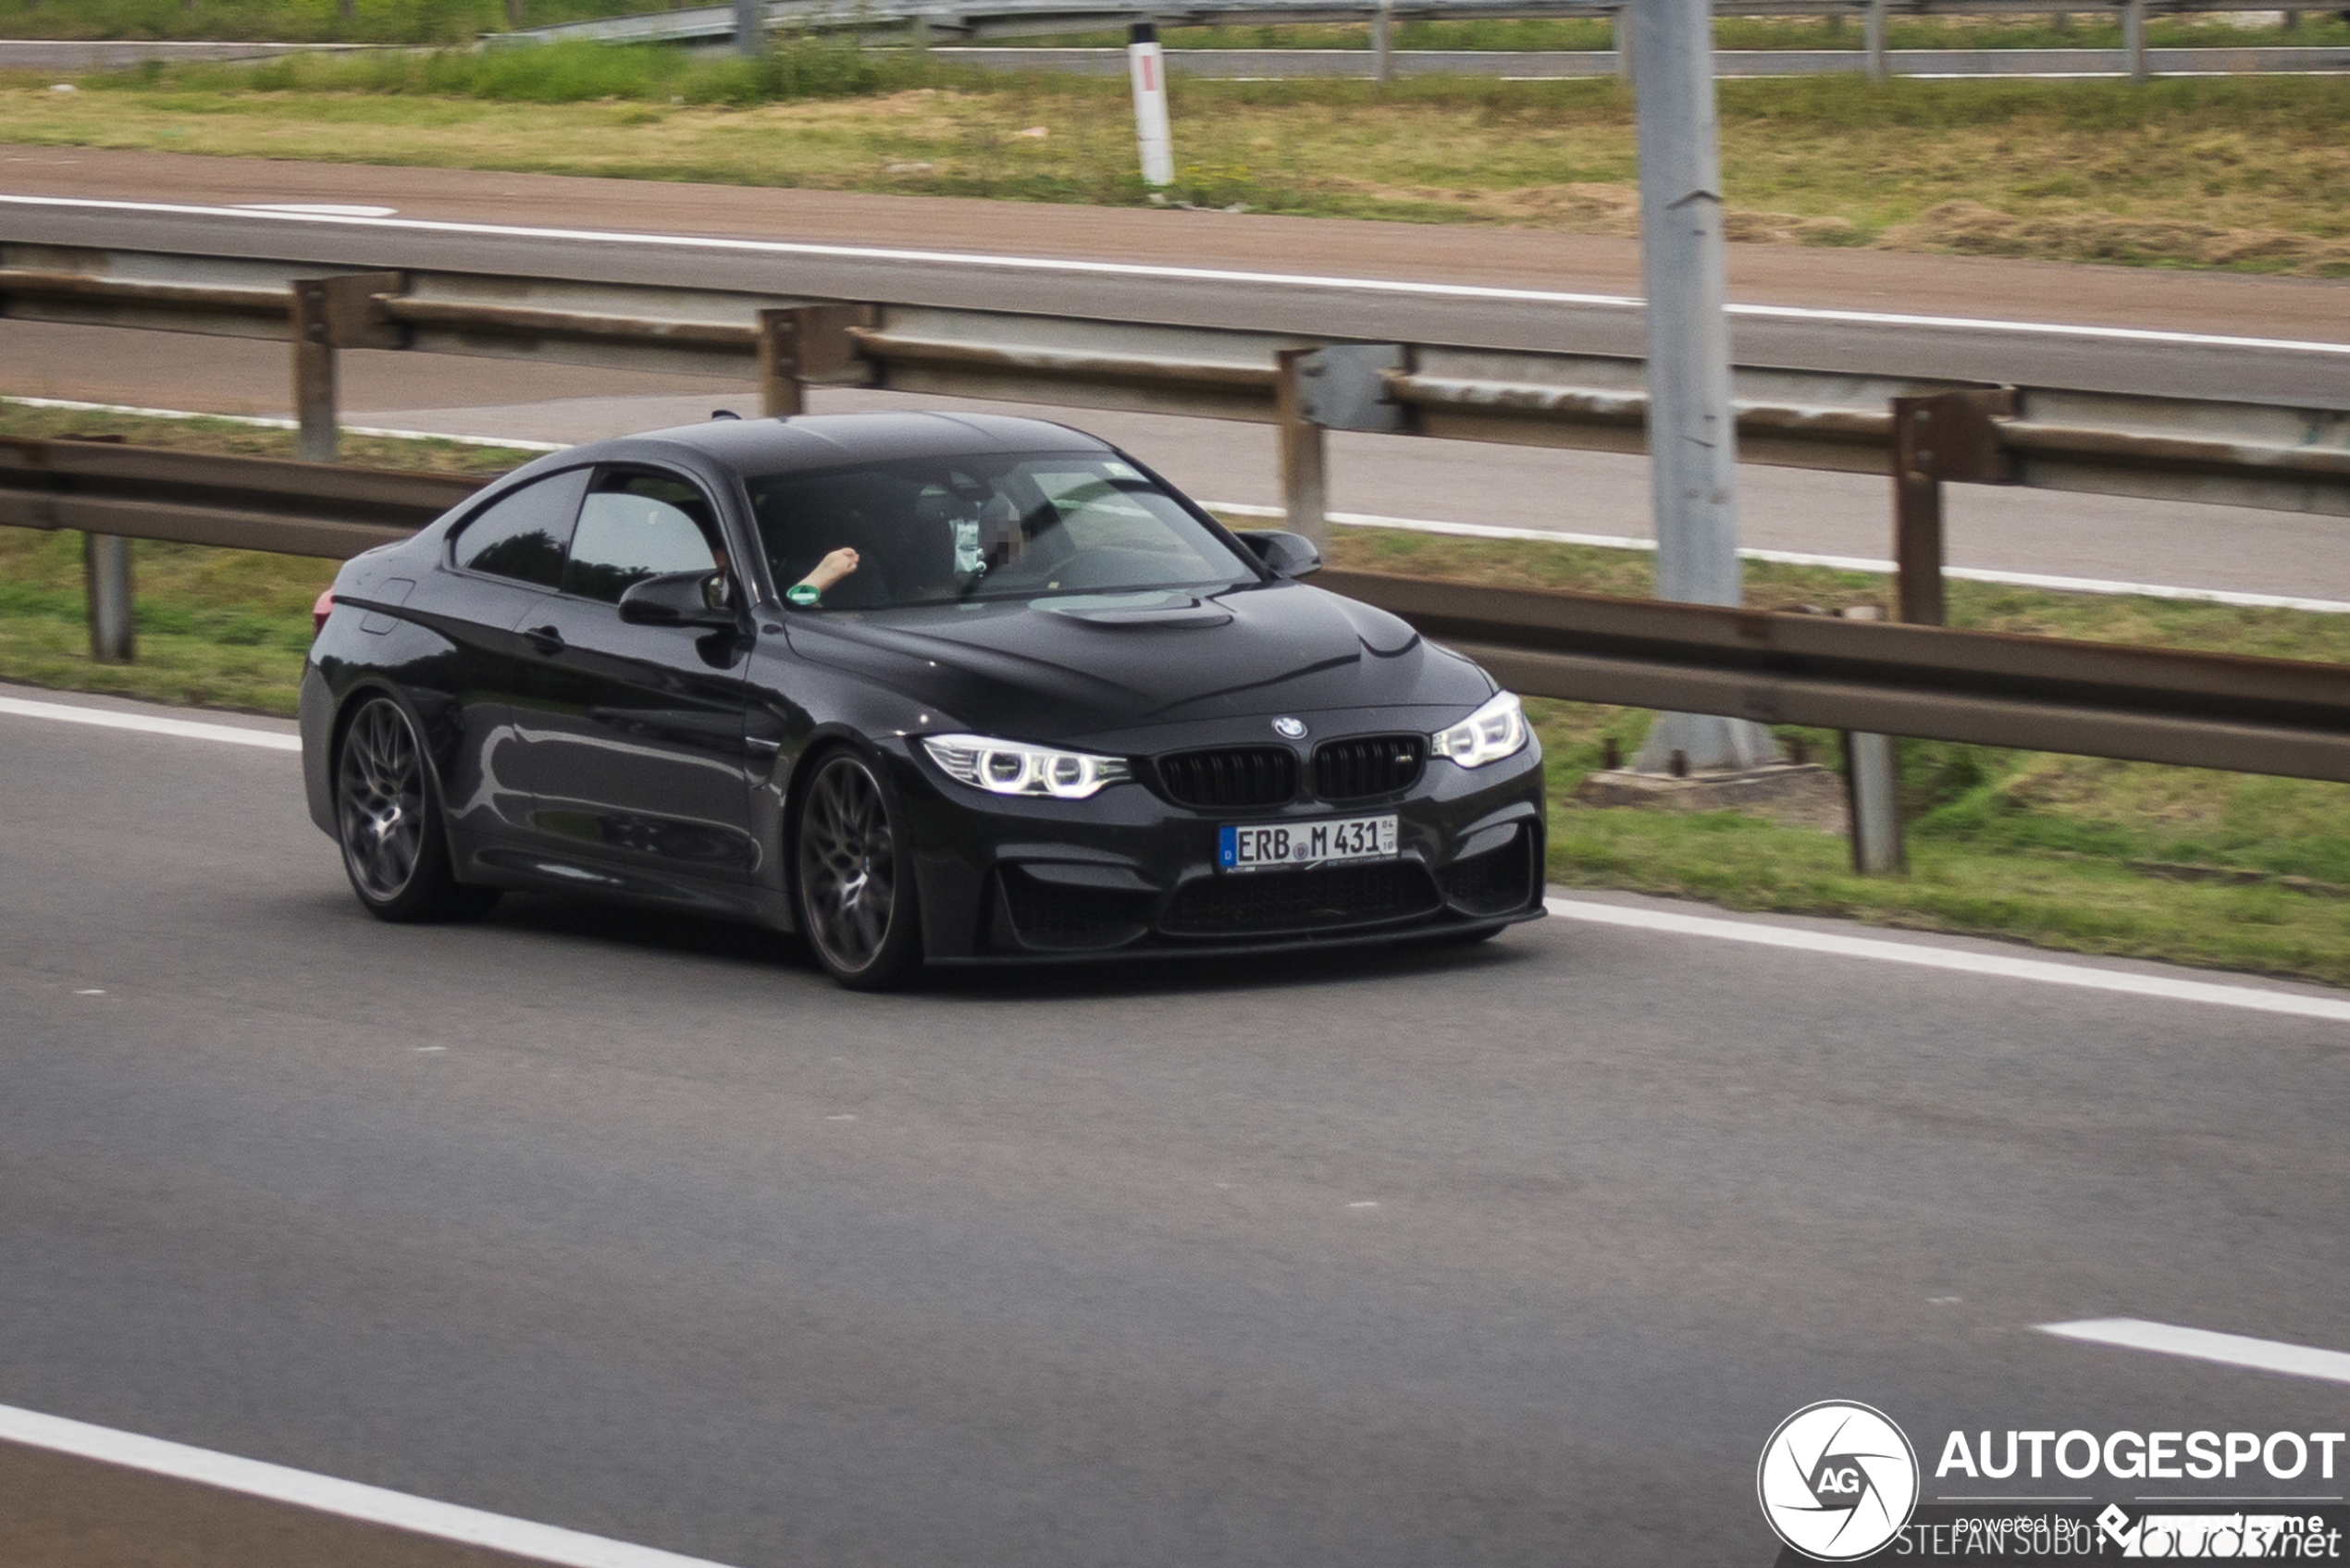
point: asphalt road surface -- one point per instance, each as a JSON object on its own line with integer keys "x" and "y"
{"x": 1512, "y": 1255}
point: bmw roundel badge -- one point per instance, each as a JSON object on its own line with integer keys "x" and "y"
{"x": 1289, "y": 728}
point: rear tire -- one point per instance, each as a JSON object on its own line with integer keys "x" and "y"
{"x": 855, "y": 878}
{"x": 395, "y": 849}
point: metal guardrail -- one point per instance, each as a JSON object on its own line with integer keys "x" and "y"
{"x": 2283, "y": 458}
{"x": 929, "y": 21}
{"x": 1559, "y": 65}
{"x": 200, "y": 498}
{"x": 2156, "y": 705}
{"x": 2284, "y": 717}
{"x": 1013, "y": 19}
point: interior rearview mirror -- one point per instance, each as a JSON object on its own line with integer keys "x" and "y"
{"x": 679, "y": 598}
{"x": 1285, "y": 554}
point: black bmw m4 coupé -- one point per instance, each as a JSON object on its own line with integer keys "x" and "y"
{"x": 926, "y": 688}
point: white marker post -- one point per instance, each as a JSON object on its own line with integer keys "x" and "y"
{"x": 1147, "y": 67}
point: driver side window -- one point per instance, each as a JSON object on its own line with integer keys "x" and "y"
{"x": 636, "y": 524}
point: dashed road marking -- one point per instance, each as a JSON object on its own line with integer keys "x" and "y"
{"x": 2202, "y": 1345}
{"x": 326, "y": 1494}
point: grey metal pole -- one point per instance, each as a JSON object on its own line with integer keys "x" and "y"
{"x": 1693, "y": 433}
{"x": 750, "y": 26}
{"x": 2134, "y": 38}
{"x": 1622, "y": 27}
{"x": 1872, "y": 41}
{"x": 106, "y": 566}
{"x": 1384, "y": 41}
{"x": 1872, "y": 785}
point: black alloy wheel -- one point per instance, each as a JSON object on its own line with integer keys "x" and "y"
{"x": 392, "y": 844}
{"x": 856, "y": 891}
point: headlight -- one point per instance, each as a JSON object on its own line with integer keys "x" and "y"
{"x": 1493, "y": 732}
{"x": 1012, "y": 767}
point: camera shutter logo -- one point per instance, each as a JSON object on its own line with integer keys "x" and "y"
{"x": 1837, "y": 1480}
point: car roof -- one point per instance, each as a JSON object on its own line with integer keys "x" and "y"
{"x": 803, "y": 441}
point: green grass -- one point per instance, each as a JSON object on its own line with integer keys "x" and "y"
{"x": 2072, "y": 853}
{"x": 2248, "y": 174}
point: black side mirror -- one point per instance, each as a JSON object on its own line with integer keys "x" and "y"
{"x": 680, "y": 598}
{"x": 1285, "y": 554}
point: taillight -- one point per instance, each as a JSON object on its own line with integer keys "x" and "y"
{"x": 324, "y": 607}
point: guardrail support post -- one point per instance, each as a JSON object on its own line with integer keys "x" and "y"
{"x": 330, "y": 315}
{"x": 106, "y": 566}
{"x": 808, "y": 344}
{"x": 1872, "y": 793}
{"x": 1383, "y": 42}
{"x": 1917, "y": 513}
{"x": 1872, "y": 43}
{"x": 1304, "y": 474}
{"x": 1946, "y": 436}
{"x": 750, "y": 26}
{"x": 780, "y": 392}
{"x": 314, "y": 374}
{"x": 1622, "y": 28}
{"x": 2134, "y": 38}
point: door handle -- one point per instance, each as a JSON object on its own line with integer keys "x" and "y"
{"x": 546, "y": 639}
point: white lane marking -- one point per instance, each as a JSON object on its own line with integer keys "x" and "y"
{"x": 2202, "y": 1345}
{"x": 268, "y": 423}
{"x": 1802, "y": 558}
{"x": 1179, "y": 274}
{"x": 320, "y": 209}
{"x": 1961, "y": 961}
{"x": 324, "y": 1494}
{"x": 187, "y": 729}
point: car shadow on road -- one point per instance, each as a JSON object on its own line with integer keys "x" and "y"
{"x": 733, "y": 942}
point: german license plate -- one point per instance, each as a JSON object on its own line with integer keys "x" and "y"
{"x": 1305, "y": 844}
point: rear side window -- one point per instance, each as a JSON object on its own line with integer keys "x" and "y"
{"x": 524, "y": 534}
{"x": 637, "y": 525}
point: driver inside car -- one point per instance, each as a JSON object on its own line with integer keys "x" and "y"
{"x": 947, "y": 537}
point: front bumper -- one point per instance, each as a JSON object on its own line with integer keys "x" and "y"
{"x": 1127, "y": 873}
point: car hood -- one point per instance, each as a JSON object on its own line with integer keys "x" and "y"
{"x": 1059, "y": 668}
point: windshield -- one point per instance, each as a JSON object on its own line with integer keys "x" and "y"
{"x": 1003, "y": 525}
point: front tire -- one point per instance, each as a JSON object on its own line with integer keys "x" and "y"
{"x": 856, "y": 881}
{"x": 387, "y": 821}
